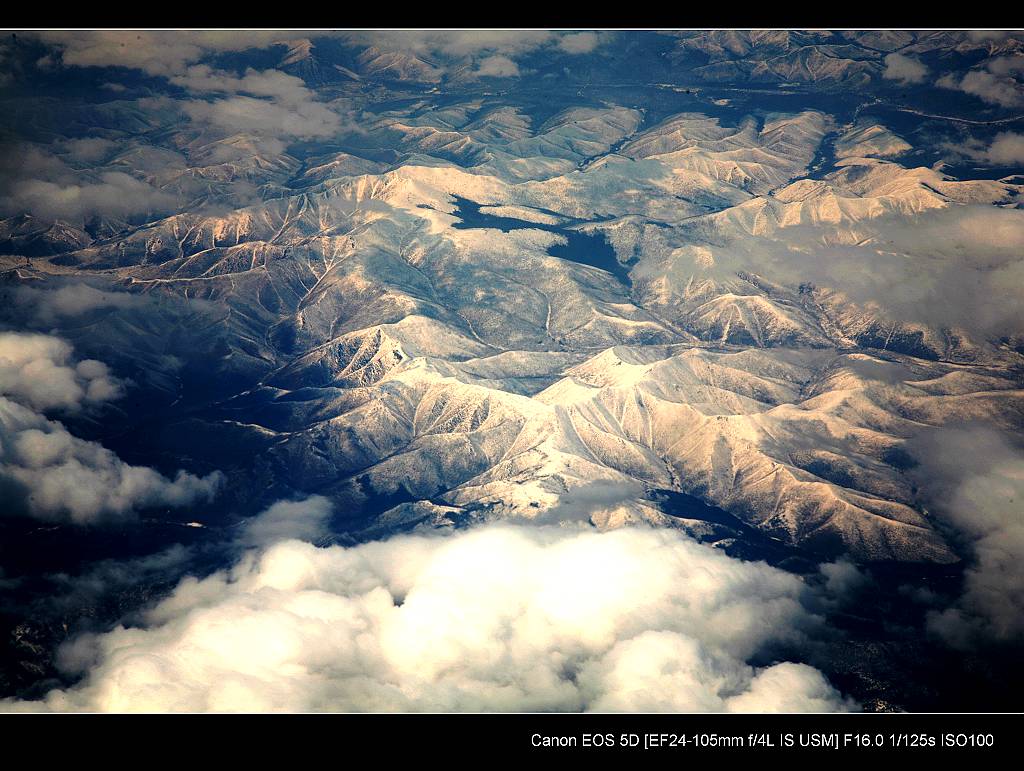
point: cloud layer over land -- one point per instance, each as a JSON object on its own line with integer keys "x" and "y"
{"x": 495, "y": 618}
{"x": 976, "y": 479}
{"x": 47, "y": 473}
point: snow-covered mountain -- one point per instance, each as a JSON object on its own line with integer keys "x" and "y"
{"x": 499, "y": 312}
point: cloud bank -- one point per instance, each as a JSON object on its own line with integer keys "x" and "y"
{"x": 267, "y": 102}
{"x": 50, "y": 182}
{"x": 495, "y": 618}
{"x": 45, "y": 472}
{"x": 976, "y": 481}
{"x": 45, "y": 307}
{"x": 155, "y": 52}
{"x": 956, "y": 266}
{"x": 174, "y": 54}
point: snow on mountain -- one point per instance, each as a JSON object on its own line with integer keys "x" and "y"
{"x": 397, "y": 65}
{"x": 756, "y": 158}
{"x": 870, "y": 141}
{"x": 495, "y": 317}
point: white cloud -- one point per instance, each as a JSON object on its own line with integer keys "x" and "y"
{"x": 111, "y": 194}
{"x": 51, "y": 475}
{"x": 306, "y": 119}
{"x": 304, "y": 520}
{"x": 172, "y": 53}
{"x": 1005, "y": 149}
{"x": 996, "y": 83}
{"x": 976, "y": 483}
{"x": 964, "y": 269}
{"x": 179, "y": 56}
{"x": 905, "y": 69}
{"x": 958, "y": 265}
{"x": 490, "y": 53}
{"x": 496, "y": 618}
{"x": 986, "y": 35}
{"x": 38, "y": 371}
{"x": 787, "y": 687}
{"x": 843, "y": 579}
{"x": 90, "y": 149}
{"x": 991, "y": 88}
{"x": 154, "y": 52}
{"x": 47, "y": 473}
{"x": 284, "y": 88}
{"x": 1006, "y": 65}
{"x": 456, "y": 43}
{"x": 69, "y": 301}
{"x": 497, "y": 66}
{"x": 579, "y": 42}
